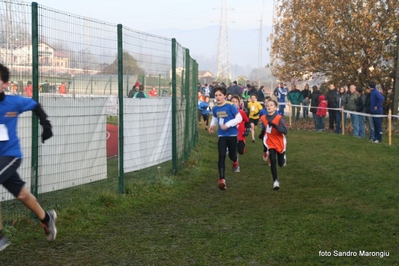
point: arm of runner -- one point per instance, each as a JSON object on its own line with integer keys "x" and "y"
{"x": 235, "y": 121}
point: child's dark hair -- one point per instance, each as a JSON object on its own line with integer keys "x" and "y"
{"x": 4, "y": 73}
{"x": 273, "y": 101}
{"x": 236, "y": 97}
{"x": 222, "y": 89}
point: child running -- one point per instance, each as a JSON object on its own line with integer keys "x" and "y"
{"x": 11, "y": 156}
{"x": 227, "y": 117}
{"x": 254, "y": 108}
{"x": 205, "y": 109}
{"x": 274, "y": 139}
{"x": 241, "y": 126}
{"x": 262, "y": 133}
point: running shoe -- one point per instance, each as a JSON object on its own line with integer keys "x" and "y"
{"x": 3, "y": 242}
{"x": 276, "y": 185}
{"x": 266, "y": 156}
{"x": 222, "y": 184}
{"x": 49, "y": 228}
{"x": 236, "y": 167}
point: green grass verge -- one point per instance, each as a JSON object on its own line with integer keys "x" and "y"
{"x": 337, "y": 194}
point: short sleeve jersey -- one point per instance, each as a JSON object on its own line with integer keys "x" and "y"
{"x": 254, "y": 108}
{"x": 224, "y": 113}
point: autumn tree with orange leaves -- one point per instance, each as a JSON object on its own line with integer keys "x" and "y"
{"x": 346, "y": 41}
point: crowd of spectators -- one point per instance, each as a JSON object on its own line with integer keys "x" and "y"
{"x": 364, "y": 106}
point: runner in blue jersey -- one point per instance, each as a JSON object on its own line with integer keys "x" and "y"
{"x": 11, "y": 106}
{"x": 227, "y": 117}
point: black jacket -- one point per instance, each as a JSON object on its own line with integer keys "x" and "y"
{"x": 332, "y": 98}
{"x": 314, "y": 101}
{"x": 361, "y": 103}
{"x": 260, "y": 96}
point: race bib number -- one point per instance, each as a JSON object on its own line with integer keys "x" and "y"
{"x": 268, "y": 129}
{"x": 3, "y": 133}
{"x": 253, "y": 108}
{"x": 221, "y": 121}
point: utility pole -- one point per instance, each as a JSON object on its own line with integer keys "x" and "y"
{"x": 223, "y": 54}
{"x": 260, "y": 48}
{"x": 396, "y": 89}
{"x": 13, "y": 17}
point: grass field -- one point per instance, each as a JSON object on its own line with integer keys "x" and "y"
{"x": 338, "y": 194}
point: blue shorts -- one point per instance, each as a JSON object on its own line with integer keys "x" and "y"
{"x": 9, "y": 177}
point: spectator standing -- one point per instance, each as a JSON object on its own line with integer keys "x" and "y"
{"x": 368, "y": 111}
{"x": 321, "y": 113}
{"x": 140, "y": 93}
{"x": 206, "y": 90}
{"x": 261, "y": 93}
{"x": 305, "y": 102}
{"x": 28, "y": 89}
{"x": 281, "y": 95}
{"x": 52, "y": 87}
{"x": 212, "y": 90}
{"x": 245, "y": 95}
{"x": 342, "y": 101}
{"x": 62, "y": 88}
{"x": 332, "y": 103}
{"x": 45, "y": 86}
{"x": 314, "y": 103}
{"x": 295, "y": 98}
{"x": 352, "y": 107}
{"x": 153, "y": 92}
{"x": 134, "y": 89}
{"x": 251, "y": 90}
{"x": 360, "y": 108}
{"x": 275, "y": 91}
{"x": 377, "y": 99}
{"x": 236, "y": 90}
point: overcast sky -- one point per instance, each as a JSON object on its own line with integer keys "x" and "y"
{"x": 146, "y": 15}
{"x": 183, "y": 20}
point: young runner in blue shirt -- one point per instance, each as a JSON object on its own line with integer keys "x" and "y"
{"x": 227, "y": 117}
{"x": 11, "y": 106}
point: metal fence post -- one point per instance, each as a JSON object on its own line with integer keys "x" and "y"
{"x": 120, "y": 96}
{"x": 174, "y": 111}
{"x": 35, "y": 83}
{"x": 188, "y": 100}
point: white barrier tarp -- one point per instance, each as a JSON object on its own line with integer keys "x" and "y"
{"x": 147, "y": 132}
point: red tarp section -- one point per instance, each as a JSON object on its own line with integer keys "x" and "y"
{"x": 112, "y": 140}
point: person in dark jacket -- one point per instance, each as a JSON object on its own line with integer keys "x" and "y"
{"x": 261, "y": 94}
{"x": 377, "y": 99}
{"x": 342, "y": 101}
{"x": 295, "y": 98}
{"x": 360, "y": 108}
{"x": 332, "y": 103}
{"x": 367, "y": 108}
{"x": 314, "y": 103}
{"x": 305, "y": 102}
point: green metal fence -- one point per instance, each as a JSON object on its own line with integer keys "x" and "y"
{"x": 81, "y": 70}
